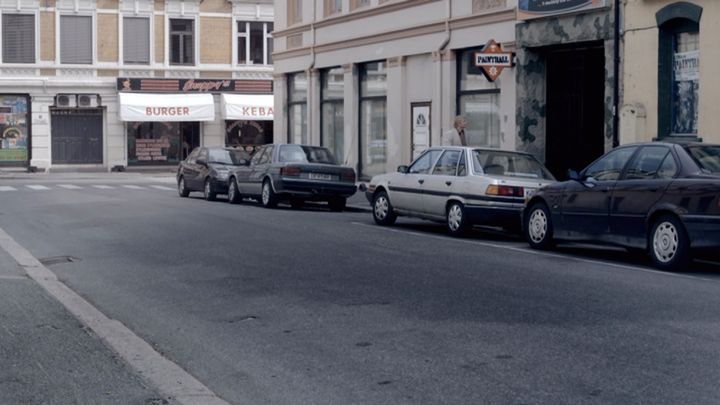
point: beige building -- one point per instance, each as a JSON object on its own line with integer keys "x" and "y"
{"x": 377, "y": 81}
{"x": 107, "y": 83}
{"x": 671, "y": 85}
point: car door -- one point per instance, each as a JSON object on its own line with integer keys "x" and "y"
{"x": 243, "y": 173}
{"x": 259, "y": 170}
{"x": 188, "y": 168}
{"x": 406, "y": 188}
{"x": 439, "y": 183}
{"x": 586, "y": 203}
{"x": 195, "y": 169}
{"x": 643, "y": 184}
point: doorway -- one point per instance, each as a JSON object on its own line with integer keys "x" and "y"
{"x": 77, "y": 136}
{"x": 575, "y": 108}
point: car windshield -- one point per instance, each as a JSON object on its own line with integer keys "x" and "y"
{"x": 707, "y": 157}
{"x": 511, "y": 164}
{"x": 305, "y": 154}
{"x": 226, "y": 156}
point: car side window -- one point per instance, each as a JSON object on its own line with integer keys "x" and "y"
{"x": 265, "y": 157}
{"x": 646, "y": 163}
{"x": 462, "y": 166}
{"x": 203, "y": 154}
{"x": 668, "y": 169}
{"x": 423, "y": 164}
{"x": 610, "y": 166}
{"x": 268, "y": 154}
{"x": 256, "y": 157}
{"x": 447, "y": 164}
{"x": 191, "y": 158}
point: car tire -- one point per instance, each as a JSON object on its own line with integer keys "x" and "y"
{"x": 337, "y": 204}
{"x": 456, "y": 220}
{"x": 382, "y": 209}
{"x": 208, "y": 191}
{"x": 268, "y": 198}
{"x": 538, "y": 228}
{"x": 668, "y": 244}
{"x": 297, "y": 203}
{"x": 234, "y": 196}
{"x": 182, "y": 188}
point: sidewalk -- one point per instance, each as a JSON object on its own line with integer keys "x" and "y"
{"x": 48, "y": 357}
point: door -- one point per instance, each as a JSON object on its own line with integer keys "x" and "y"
{"x": 77, "y": 136}
{"x": 242, "y": 173}
{"x": 259, "y": 170}
{"x": 439, "y": 184}
{"x": 197, "y": 171}
{"x": 406, "y": 188}
{"x": 575, "y": 109}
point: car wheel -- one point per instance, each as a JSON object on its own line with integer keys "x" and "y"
{"x": 182, "y": 189}
{"x": 268, "y": 197}
{"x": 337, "y": 204}
{"x": 669, "y": 244}
{"x": 297, "y": 203}
{"x": 457, "y": 223}
{"x": 383, "y": 212}
{"x": 234, "y": 196}
{"x": 538, "y": 227}
{"x": 208, "y": 191}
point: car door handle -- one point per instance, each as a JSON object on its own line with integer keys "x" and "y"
{"x": 448, "y": 183}
{"x": 421, "y": 181}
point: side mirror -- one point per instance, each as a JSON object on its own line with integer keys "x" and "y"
{"x": 201, "y": 162}
{"x": 573, "y": 175}
{"x": 402, "y": 169}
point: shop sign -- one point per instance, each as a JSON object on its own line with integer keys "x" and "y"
{"x": 162, "y": 85}
{"x": 166, "y": 107}
{"x": 492, "y": 60}
{"x": 529, "y": 9}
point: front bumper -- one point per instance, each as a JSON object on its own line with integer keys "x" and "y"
{"x": 219, "y": 186}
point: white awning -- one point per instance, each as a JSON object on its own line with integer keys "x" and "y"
{"x": 258, "y": 107}
{"x": 166, "y": 107}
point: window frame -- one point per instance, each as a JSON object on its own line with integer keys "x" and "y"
{"x": 462, "y": 56}
{"x": 292, "y": 102}
{"x": 447, "y": 152}
{"x": 635, "y": 157}
{"x": 266, "y": 38}
{"x": 151, "y": 37}
{"x": 295, "y": 12}
{"x": 36, "y": 36}
{"x": 621, "y": 174}
{"x": 195, "y": 39}
{"x": 330, "y": 100}
{"x": 361, "y": 74}
{"x": 328, "y": 9}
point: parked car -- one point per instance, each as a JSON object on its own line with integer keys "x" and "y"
{"x": 661, "y": 198}
{"x": 461, "y": 186}
{"x": 207, "y": 169}
{"x": 293, "y": 173}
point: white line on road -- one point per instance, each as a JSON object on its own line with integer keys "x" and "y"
{"x": 536, "y": 252}
{"x": 162, "y": 187}
{"x": 69, "y": 186}
{"x": 133, "y": 187}
{"x": 169, "y": 378}
{"x": 7, "y": 188}
{"x": 37, "y": 187}
{"x": 103, "y": 187}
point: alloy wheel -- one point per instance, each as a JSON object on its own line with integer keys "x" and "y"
{"x": 266, "y": 193}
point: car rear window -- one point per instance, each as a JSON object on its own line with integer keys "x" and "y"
{"x": 305, "y": 154}
{"x": 707, "y": 157}
{"x": 226, "y": 156}
{"x": 510, "y": 164}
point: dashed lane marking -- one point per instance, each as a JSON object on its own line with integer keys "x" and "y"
{"x": 69, "y": 186}
{"x": 162, "y": 187}
{"x": 7, "y": 188}
{"x": 133, "y": 187}
{"x": 103, "y": 187}
{"x": 37, "y": 187}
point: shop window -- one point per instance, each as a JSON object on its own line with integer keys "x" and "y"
{"x": 373, "y": 119}
{"x": 254, "y": 42}
{"x": 248, "y": 135}
{"x": 136, "y": 40}
{"x": 161, "y": 143}
{"x": 76, "y": 36}
{"x": 478, "y": 100}
{"x": 332, "y": 94}
{"x": 297, "y": 108}
{"x": 18, "y": 38}
{"x": 14, "y": 130}
{"x": 182, "y": 42}
{"x": 678, "y": 69}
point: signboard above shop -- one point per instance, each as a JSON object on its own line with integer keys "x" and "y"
{"x": 529, "y": 9}
{"x": 162, "y": 85}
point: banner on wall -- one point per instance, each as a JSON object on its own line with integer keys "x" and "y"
{"x": 529, "y": 9}
{"x": 14, "y": 136}
{"x": 137, "y": 107}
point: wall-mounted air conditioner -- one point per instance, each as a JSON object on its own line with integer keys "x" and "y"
{"x": 88, "y": 100}
{"x": 66, "y": 100}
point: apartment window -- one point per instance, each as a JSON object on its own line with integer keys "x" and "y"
{"x": 18, "y": 38}
{"x": 136, "y": 40}
{"x": 478, "y": 100}
{"x": 76, "y": 37}
{"x": 254, "y": 43}
{"x": 182, "y": 42}
{"x": 358, "y": 4}
{"x": 373, "y": 119}
{"x": 297, "y": 108}
{"x": 332, "y": 93}
{"x": 294, "y": 11}
{"x": 333, "y": 7}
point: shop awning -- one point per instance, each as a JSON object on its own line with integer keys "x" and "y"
{"x": 257, "y": 107}
{"x": 166, "y": 107}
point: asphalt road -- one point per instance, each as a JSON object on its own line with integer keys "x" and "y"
{"x": 307, "y": 306}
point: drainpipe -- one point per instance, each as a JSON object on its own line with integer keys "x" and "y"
{"x": 310, "y": 68}
{"x": 443, "y": 45}
{"x": 616, "y": 73}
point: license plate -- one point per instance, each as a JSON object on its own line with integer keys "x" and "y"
{"x": 529, "y": 192}
{"x": 320, "y": 176}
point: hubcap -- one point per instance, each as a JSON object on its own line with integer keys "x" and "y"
{"x": 207, "y": 188}
{"x": 381, "y": 208}
{"x": 231, "y": 193}
{"x": 665, "y": 242}
{"x": 266, "y": 193}
{"x": 538, "y": 226}
{"x": 455, "y": 217}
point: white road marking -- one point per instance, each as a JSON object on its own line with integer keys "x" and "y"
{"x": 103, "y": 187}
{"x": 37, "y": 187}
{"x": 162, "y": 187}
{"x": 169, "y": 378}
{"x": 7, "y": 188}
{"x": 13, "y": 278}
{"x": 69, "y": 186}
{"x": 133, "y": 187}
{"x": 536, "y": 252}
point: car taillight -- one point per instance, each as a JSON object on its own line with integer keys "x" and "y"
{"x": 348, "y": 175}
{"x": 505, "y": 191}
{"x": 290, "y": 171}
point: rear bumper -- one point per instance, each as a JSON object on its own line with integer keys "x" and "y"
{"x": 219, "y": 186}
{"x": 703, "y": 230}
{"x": 311, "y": 189}
{"x": 505, "y": 215}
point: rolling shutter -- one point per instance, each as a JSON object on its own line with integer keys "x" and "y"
{"x": 136, "y": 41}
{"x": 76, "y": 39}
{"x": 18, "y": 38}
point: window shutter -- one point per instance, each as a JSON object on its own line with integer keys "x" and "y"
{"x": 136, "y": 41}
{"x": 76, "y": 39}
{"x": 18, "y": 38}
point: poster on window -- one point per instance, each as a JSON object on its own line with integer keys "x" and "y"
{"x": 154, "y": 143}
{"x": 420, "y": 127}
{"x": 686, "y": 87}
{"x": 248, "y": 134}
{"x": 13, "y": 129}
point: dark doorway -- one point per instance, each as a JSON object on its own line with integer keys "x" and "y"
{"x": 190, "y": 137}
{"x": 575, "y": 108}
{"x": 77, "y": 136}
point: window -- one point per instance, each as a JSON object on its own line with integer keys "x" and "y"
{"x": 136, "y": 40}
{"x": 258, "y": 154}
{"x": 646, "y": 163}
{"x": 333, "y": 112}
{"x": 511, "y": 164}
{"x": 294, "y": 11}
{"x": 706, "y": 156}
{"x": 76, "y": 39}
{"x": 182, "y": 42}
{"x": 358, "y": 4}
{"x": 668, "y": 168}
{"x": 18, "y": 38}
{"x": 447, "y": 165}
{"x": 373, "y": 119}
{"x": 478, "y": 100}
{"x": 333, "y": 7}
{"x": 423, "y": 164}
{"x": 610, "y": 166}
{"x": 254, "y": 42}
{"x": 462, "y": 166}
{"x": 297, "y": 108}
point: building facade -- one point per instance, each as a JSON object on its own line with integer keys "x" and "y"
{"x": 377, "y": 81}
{"x": 669, "y": 70}
{"x": 116, "y": 83}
